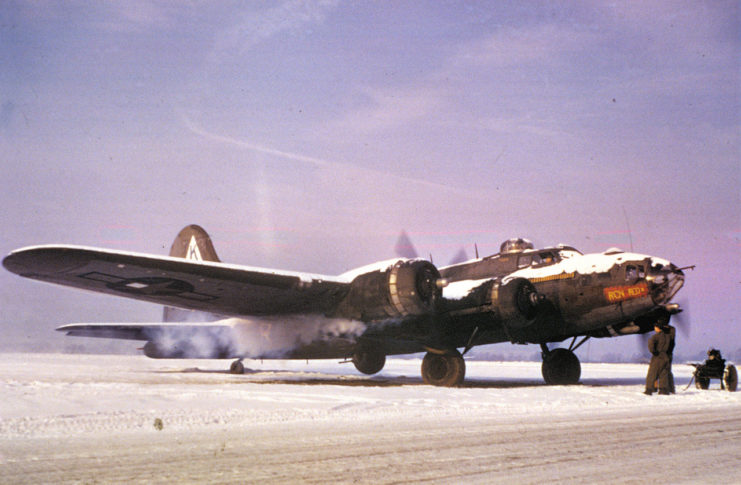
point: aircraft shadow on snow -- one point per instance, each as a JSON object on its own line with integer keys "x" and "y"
{"x": 282, "y": 377}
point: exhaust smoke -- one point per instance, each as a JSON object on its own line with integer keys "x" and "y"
{"x": 259, "y": 337}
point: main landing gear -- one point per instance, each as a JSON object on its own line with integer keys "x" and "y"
{"x": 443, "y": 368}
{"x": 561, "y": 366}
{"x": 448, "y": 369}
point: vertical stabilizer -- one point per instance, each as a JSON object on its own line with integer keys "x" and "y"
{"x": 193, "y": 242}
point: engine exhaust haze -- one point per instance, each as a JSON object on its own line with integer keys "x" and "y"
{"x": 265, "y": 337}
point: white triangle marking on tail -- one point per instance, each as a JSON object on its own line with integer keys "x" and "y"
{"x": 193, "y": 252}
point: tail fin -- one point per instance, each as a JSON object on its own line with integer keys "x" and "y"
{"x": 191, "y": 243}
{"x": 194, "y": 243}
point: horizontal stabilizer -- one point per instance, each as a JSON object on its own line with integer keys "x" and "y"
{"x": 139, "y": 331}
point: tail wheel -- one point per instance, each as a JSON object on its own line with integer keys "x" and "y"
{"x": 561, "y": 367}
{"x": 731, "y": 378}
{"x": 237, "y": 367}
{"x": 447, "y": 370}
{"x": 369, "y": 362}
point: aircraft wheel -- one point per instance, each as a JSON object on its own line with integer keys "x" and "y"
{"x": 731, "y": 378}
{"x": 446, "y": 370}
{"x": 561, "y": 367}
{"x": 369, "y": 362}
{"x": 702, "y": 382}
{"x": 237, "y": 367}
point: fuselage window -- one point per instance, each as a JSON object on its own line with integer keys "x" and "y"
{"x": 631, "y": 273}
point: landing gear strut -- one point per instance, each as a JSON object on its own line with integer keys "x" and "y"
{"x": 443, "y": 369}
{"x": 560, "y": 366}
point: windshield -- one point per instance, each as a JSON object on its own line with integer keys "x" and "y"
{"x": 541, "y": 258}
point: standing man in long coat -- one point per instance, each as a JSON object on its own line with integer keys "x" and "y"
{"x": 658, "y": 369}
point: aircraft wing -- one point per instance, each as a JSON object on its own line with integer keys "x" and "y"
{"x": 196, "y": 285}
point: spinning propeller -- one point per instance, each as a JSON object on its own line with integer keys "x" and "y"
{"x": 404, "y": 248}
{"x": 680, "y": 320}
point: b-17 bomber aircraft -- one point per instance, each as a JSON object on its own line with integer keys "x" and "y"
{"x": 520, "y": 295}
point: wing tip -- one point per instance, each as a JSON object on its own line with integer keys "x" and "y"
{"x": 39, "y": 260}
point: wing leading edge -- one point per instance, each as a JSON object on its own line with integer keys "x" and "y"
{"x": 195, "y": 285}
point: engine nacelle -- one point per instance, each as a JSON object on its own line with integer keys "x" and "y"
{"x": 408, "y": 287}
{"x": 516, "y": 303}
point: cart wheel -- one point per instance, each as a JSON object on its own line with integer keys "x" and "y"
{"x": 702, "y": 382}
{"x": 731, "y": 378}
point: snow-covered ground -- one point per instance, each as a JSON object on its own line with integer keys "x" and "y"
{"x": 95, "y": 418}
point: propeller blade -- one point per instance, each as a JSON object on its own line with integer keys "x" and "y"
{"x": 404, "y": 247}
{"x": 459, "y": 257}
{"x": 643, "y": 342}
{"x": 682, "y": 320}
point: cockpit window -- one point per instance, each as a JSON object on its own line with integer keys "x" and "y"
{"x": 537, "y": 259}
{"x": 525, "y": 260}
{"x": 548, "y": 258}
{"x": 545, "y": 258}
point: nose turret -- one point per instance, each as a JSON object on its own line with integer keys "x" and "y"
{"x": 665, "y": 281}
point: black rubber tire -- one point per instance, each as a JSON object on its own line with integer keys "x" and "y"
{"x": 561, "y": 367}
{"x": 730, "y": 377}
{"x": 369, "y": 362}
{"x": 702, "y": 383}
{"x": 446, "y": 370}
{"x": 237, "y": 367}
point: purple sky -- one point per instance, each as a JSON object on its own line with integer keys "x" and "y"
{"x": 306, "y": 135}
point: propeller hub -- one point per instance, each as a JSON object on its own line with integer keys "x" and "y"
{"x": 672, "y": 308}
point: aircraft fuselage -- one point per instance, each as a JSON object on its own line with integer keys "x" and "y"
{"x": 599, "y": 295}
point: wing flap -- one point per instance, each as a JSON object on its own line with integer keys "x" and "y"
{"x": 196, "y": 285}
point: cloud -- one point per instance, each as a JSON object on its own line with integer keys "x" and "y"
{"x": 387, "y": 109}
{"x": 137, "y": 17}
{"x": 335, "y": 171}
{"x": 541, "y": 45}
{"x": 254, "y": 28}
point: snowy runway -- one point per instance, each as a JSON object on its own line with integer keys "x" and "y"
{"x": 83, "y": 418}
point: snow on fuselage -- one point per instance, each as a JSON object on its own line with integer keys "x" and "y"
{"x": 590, "y": 291}
{"x": 584, "y": 264}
